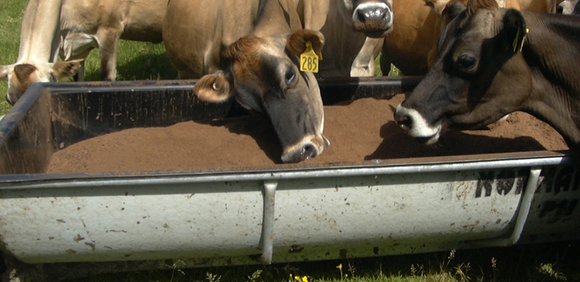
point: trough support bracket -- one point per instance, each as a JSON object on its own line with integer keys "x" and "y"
{"x": 267, "y": 237}
{"x": 522, "y": 216}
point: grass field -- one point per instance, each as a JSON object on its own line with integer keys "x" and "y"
{"x": 541, "y": 262}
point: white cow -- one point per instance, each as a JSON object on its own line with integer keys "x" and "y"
{"x": 73, "y": 28}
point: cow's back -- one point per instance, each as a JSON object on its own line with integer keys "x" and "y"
{"x": 195, "y": 32}
{"x": 134, "y": 20}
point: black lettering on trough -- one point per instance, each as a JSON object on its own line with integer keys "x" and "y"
{"x": 485, "y": 181}
{"x": 547, "y": 179}
{"x": 564, "y": 179}
{"x": 503, "y": 182}
{"x": 558, "y": 208}
{"x": 522, "y": 179}
{"x": 559, "y": 179}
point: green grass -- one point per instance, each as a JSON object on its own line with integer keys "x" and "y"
{"x": 11, "y": 19}
{"x": 540, "y": 262}
{"x": 136, "y": 60}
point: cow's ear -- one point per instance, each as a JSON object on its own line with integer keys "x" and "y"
{"x": 514, "y": 28}
{"x": 66, "y": 69}
{"x": 23, "y": 71}
{"x": 213, "y": 88}
{"x": 297, "y": 42}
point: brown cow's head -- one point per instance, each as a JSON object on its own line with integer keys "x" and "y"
{"x": 20, "y": 76}
{"x": 264, "y": 75}
{"x": 374, "y": 18}
{"x": 479, "y": 76}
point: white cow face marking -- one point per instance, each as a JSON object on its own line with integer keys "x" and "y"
{"x": 416, "y": 126}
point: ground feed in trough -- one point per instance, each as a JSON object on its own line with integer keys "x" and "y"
{"x": 360, "y": 130}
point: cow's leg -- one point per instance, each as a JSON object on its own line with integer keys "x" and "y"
{"x": 364, "y": 63}
{"x": 77, "y": 45}
{"x": 108, "y": 47}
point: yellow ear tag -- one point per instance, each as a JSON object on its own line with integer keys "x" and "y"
{"x": 515, "y": 43}
{"x": 309, "y": 59}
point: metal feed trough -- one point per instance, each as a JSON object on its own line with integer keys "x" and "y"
{"x": 272, "y": 214}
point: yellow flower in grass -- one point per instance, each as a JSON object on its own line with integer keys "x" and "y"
{"x": 339, "y": 266}
{"x": 304, "y": 278}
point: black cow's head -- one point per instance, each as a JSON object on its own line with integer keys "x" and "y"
{"x": 264, "y": 75}
{"x": 478, "y": 77}
{"x": 374, "y": 18}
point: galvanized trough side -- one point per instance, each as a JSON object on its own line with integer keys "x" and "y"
{"x": 281, "y": 213}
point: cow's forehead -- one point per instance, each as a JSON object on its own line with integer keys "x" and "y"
{"x": 273, "y": 45}
{"x": 483, "y": 22}
{"x": 469, "y": 30}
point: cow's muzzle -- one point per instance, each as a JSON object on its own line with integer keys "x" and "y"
{"x": 416, "y": 126}
{"x": 373, "y": 19}
{"x": 309, "y": 147}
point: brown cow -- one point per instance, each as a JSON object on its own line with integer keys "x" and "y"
{"x": 496, "y": 61}
{"x": 417, "y": 24}
{"x": 261, "y": 70}
{"x": 194, "y": 44}
{"x": 73, "y": 28}
{"x": 411, "y": 46}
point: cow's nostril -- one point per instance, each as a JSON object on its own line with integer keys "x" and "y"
{"x": 308, "y": 151}
{"x": 361, "y": 15}
{"x": 371, "y": 14}
{"x": 404, "y": 122}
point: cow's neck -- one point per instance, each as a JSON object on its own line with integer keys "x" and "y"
{"x": 342, "y": 44}
{"x": 38, "y": 37}
{"x": 269, "y": 15}
{"x": 551, "y": 51}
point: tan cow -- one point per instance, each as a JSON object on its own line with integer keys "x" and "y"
{"x": 344, "y": 24}
{"x": 73, "y": 28}
{"x": 261, "y": 70}
{"x": 417, "y": 26}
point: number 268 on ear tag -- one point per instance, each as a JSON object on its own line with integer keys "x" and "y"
{"x": 309, "y": 59}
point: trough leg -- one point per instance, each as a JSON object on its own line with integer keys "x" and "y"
{"x": 267, "y": 238}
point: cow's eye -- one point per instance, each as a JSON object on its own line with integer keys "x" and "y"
{"x": 465, "y": 62}
{"x": 289, "y": 76}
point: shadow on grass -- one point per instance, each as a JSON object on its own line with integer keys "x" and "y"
{"x": 534, "y": 263}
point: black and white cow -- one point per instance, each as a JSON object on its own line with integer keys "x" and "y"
{"x": 496, "y": 61}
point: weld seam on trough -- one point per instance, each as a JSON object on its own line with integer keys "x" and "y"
{"x": 267, "y": 237}
{"x": 281, "y": 175}
{"x": 522, "y": 217}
